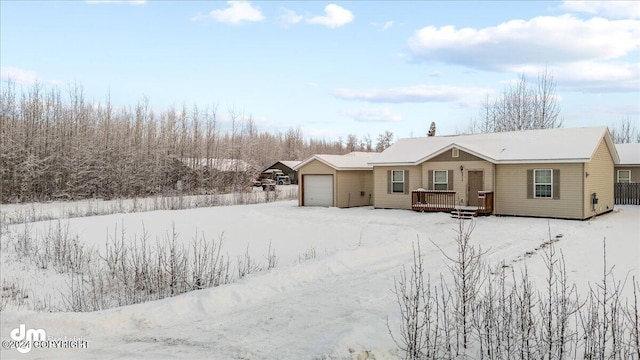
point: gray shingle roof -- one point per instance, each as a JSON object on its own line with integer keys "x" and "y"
{"x": 549, "y": 145}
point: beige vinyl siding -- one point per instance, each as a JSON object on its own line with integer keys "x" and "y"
{"x": 447, "y": 156}
{"x": 354, "y": 188}
{"x": 635, "y": 173}
{"x": 382, "y": 199}
{"x": 315, "y": 167}
{"x": 599, "y": 181}
{"x": 511, "y": 192}
{"x": 459, "y": 179}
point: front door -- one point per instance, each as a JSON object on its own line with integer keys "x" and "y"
{"x": 475, "y": 183}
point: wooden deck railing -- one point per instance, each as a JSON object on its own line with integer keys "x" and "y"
{"x": 485, "y": 202}
{"x": 433, "y": 200}
{"x": 445, "y": 200}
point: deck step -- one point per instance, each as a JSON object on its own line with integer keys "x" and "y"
{"x": 463, "y": 213}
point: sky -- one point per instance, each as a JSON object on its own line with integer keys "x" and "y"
{"x": 330, "y": 68}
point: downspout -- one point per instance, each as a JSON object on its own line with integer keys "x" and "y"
{"x": 584, "y": 213}
{"x": 494, "y": 181}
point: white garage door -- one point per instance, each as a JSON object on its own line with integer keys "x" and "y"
{"x": 318, "y": 190}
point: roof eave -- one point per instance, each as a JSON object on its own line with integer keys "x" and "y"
{"x": 405, "y": 163}
{"x": 353, "y": 168}
{"x": 542, "y": 161}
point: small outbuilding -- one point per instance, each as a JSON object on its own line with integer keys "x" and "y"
{"x": 336, "y": 180}
{"x": 287, "y": 167}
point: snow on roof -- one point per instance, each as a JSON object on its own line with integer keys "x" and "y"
{"x": 219, "y": 164}
{"x": 629, "y": 154}
{"x": 356, "y": 160}
{"x": 289, "y": 163}
{"x": 549, "y": 145}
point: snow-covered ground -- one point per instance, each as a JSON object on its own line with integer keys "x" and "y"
{"x": 28, "y": 212}
{"x": 333, "y": 306}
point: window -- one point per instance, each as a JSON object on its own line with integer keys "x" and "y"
{"x": 624, "y": 176}
{"x": 397, "y": 181}
{"x": 543, "y": 183}
{"x": 455, "y": 152}
{"x": 440, "y": 180}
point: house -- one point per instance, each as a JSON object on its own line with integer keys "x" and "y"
{"x": 628, "y": 169}
{"x": 223, "y": 175}
{"x": 287, "y": 168}
{"x": 560, "y": 173}
{"x": 220, "y": 165}
{"x": 627, "y": 175}
{"x": 336, "y": 180}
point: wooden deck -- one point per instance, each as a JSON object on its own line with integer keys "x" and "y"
{"x": 446, "y": 200}
{"x": 433, "y": 200}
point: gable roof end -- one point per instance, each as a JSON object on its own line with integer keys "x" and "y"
{"x": 351, "y": 161}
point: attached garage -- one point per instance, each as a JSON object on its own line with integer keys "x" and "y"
{"x": 317, "y": 190}
{"x": 336, "y": 180}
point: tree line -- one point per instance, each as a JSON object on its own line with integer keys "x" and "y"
{"x": 58, "y": 145}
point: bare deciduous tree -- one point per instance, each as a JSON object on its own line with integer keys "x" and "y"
{"x": 56, "y": 144}
{"x": 509, "y": 317}
{"x": 521, "y": 106}
{"x": 384, "y": 141}
{"x": 625, "y": 131}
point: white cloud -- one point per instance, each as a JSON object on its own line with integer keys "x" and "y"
{"x": 591, "y": 76}
{"x": 413, "y": 94}
{"x": 384, "y": 26}
{"x": 615, "y": 9}
{"x": 335, "y": 16}
{"x": 596, "y": 52}
{"x": 20, "y": 76}
{"x": 237, "y": 12}
{"x": 289, "y": 17}
{"x": 372, "y": 115}
{"x": 541, "y": 40}
{"x": 587, "y": 76}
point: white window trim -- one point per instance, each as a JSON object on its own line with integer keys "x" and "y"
{"x": 628, "y": 177}
{"x": 393, "y": 191}
{"x": 455, "y": 152}
{"x": 446, "y": 177}
{"x": 535, "y": 195}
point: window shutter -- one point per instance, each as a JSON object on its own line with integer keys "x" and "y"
{"x": 556, "y": 184}
{"x": 450, "y": 180}
{"x": 430, "y": 180}
{"x": 529, "y": 184}
{"x": 406, "y": 181}
{"x": 389, "y": 185}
